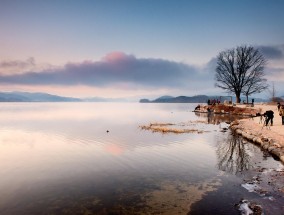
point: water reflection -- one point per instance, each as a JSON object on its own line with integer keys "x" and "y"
{"x": 233, "y": 156}
{"x": 216, "y": 119}
{"x": 59, "y": 159}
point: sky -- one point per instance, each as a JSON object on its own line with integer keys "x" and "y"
{"x": 133, "y": 48}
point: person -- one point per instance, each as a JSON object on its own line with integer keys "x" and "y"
{"x": 278, "y": 106}
{"x": 269, "y": 115}
{"x": 281, "y": 113}
{"x": 197, "y": 108}
{"x": 208, "y": 110}
{"x": 252, "y": 102}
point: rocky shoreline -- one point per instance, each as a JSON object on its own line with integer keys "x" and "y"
{"x": 272, "y": 143}
{"x": 270, "y": 138}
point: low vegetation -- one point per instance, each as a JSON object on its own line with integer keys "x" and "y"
{"x": 169, "y": 128}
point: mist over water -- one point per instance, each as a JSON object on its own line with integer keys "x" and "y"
{"x": 58, "y": 158}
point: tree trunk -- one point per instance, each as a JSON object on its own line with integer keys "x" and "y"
{"x": 238, "y": 97}
{"x": 247, "y": 99}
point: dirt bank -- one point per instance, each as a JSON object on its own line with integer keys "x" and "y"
{"x": 270, "y": 138}
{"x": 228, "y": 109}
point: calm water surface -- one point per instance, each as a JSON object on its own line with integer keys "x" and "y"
{"x": 58, "y": 158}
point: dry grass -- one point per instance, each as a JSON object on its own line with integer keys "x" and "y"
{"x": 166, "y": 128}
{"x": 161, "y": 124}
{"x": 191, "y": 123}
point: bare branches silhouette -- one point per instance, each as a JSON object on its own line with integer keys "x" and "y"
{"x": 232, "y": 155}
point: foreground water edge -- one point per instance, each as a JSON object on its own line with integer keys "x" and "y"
{"x": 59, "y": 159}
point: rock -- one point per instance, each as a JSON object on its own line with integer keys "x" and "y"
{"x": 276, "y": 152}
{"x": 234, "y": 123}
{"x": 270, "y": 148}
{"x": 266, "y": 145}
{"x": 282, "y": 158}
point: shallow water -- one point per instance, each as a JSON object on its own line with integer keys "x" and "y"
{"x": 58, "y": 158}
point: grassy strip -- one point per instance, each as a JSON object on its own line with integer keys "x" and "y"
{"x": 163, "y": 128}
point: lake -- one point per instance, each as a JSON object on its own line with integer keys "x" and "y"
{"x": 93, "y": 158}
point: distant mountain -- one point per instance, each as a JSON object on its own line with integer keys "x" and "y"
{"x": 11, "y": 97}
{"x": 145, "y": 101}
{"x": 179, "y": 99}
{"x": 45, "y": 97}
{"x": 34, "y": 97}
{"x": 192, "y": 99}
{"x": 165, "y": 97}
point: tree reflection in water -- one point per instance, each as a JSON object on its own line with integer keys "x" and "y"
{"x": 216, "y": 119}
{"x": 232, "y": 155}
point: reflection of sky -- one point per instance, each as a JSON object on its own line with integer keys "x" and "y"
{"x": 61, "y": 148}
{"x": 41, "y": 142}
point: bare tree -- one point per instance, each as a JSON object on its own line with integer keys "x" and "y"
{"x": 256, "y": 84}
{"x": 241, "y": 71}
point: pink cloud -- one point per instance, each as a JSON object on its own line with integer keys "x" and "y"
{"x": 116, "y": 69}
{"x": 116, "y": 57}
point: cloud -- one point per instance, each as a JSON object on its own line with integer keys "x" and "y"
{"x": 275, "y": 66}
{"x": 272, "y": 52}
{"x": 275, "y": 74}
{"x": 18, "y": 63}
{"x": 115, "y": 69}
{"x": 13, "y": 67}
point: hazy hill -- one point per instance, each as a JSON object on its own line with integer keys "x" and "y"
{"x": 191, "y": 99}
{"x": 34, "y": 97}
{"x": 45, "y": 97}
{"x": 179, "y": 99}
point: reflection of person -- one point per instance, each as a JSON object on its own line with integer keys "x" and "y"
{"x": 281, "y": 113}
{"x": 269, "y": 115}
